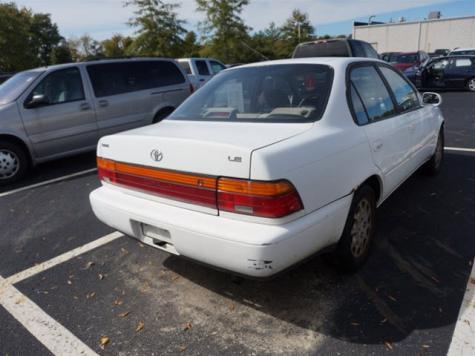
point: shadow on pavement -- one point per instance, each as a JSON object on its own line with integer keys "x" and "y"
{"x": 414, "y": 280}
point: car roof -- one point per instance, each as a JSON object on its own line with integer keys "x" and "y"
{"x": 330, "y": 61}
{"x": 464, "y": 49}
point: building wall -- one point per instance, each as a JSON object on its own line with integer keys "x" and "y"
{"x": 426, "y": 35}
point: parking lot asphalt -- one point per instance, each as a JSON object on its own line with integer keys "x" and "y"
{"x": 405, "y": 300}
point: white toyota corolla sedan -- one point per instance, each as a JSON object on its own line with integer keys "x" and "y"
{"x": 271, "y": 163}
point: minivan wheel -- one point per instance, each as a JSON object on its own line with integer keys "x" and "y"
{"x": 13, "y": 162}
{"x": 471, "y": 84}
{"x": 432, "y": 167}
{"x": 355, "y": 243}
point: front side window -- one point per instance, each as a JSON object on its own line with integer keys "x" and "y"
{"x": 439, "y": 65}
{"x": 273, "y": 93}
{"x": 405, "y": 95}
{"x": 60, "y": 87}
{"x": 216, "y": 67}
{"x": 186, "y": 67}
{"x": 202, "y": 67}
{"x": 373, "y": 93}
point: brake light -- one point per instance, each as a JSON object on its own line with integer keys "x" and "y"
{"x": 265, "y": 199}
{"x": 184, "y": 187}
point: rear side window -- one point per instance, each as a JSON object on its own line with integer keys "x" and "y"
{"x": 358, "y": 108}
{"x": 373, "y": 93}
{"x": 405, "y": 95}
{"x": 463, "y": 62}
{"x": 118, "y": 78}
{"x": 186, "y": 67}
{"x": 370, "y": 51}
{"x": 358, "y": 49}
{"x": 202, "y": 67}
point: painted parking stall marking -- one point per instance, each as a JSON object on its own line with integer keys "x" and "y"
{"x": 18, "y": 277}
{"x": 463, "y": 339}
{"x": 54, "y": 336}
{"x": 459, "y": 149}
{"x": 50, "y": 181}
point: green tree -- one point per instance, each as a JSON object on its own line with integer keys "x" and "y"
{"x": 296, "y": 29}
{"x": 224, "y": 29}
{"x": 117, "y": 46}
{"x": 44, "y": 38}
{"x": 61, "y": 53}
{"x": 159, "y": 29}
{"x": 191, "y": 47}
{"x": 15, "y": 51}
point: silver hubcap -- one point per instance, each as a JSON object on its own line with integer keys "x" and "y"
{"x": 9, "y": 164}
{"x": 471, "y": 84}
{"x": 361, "y": 230}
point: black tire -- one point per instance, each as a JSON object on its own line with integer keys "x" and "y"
{"x": 355, "y": 243}
{"x": 433, "y": 166}
{"x": 470, "y": 85}
{"x": 14, "y": 162}
{"x": 162, "y": 114}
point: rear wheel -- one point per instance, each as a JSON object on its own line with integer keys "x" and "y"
{"x": 13, "y": 162}
{"x": 471, "y": 84}
{"x": 432, "y": 167}
{"x": 355, "y": 243}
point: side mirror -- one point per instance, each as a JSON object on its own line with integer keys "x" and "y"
{"x": 37, "y": 101}
{"x": 431, "y": 98}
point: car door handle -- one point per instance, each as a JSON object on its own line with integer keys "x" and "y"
{"x": 103, "y": 103}
{"x": 84, "y": 106}
{"x": 377, "y": 145}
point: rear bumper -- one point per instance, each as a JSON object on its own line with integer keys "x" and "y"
{"x": 248, "y": 248}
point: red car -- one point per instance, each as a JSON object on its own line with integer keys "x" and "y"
{"x": 404, "y": 60}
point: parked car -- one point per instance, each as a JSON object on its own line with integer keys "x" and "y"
{"x": 453, "y": 72}
{"x": 270, "y": 163}
{"x": 61, "y": 110}
{"x": 200, "y": 70}
{"x": 462, "y": 52}
{"x": 386, "y": 56}
{"x": 405, "y": 60}
{"x": 335, "y": 48}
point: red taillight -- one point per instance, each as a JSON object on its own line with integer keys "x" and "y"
{"x": 264, "y": 199}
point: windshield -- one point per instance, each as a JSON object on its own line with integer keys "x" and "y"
{"x": 404, "y": 58}
{"x": 463, "y": 53}
{"x": 13, "y": 87}
{"x": 273, "y": 93}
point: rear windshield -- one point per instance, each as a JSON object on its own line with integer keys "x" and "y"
{"x": 275, "y": 93}
{"x": 322, "y": 49}
{"x": 16, "y": 85}
{"x": 404, "y": 58}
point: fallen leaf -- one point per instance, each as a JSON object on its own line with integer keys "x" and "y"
{"x": 69, "y": 282}
{"x": 467, "y": 322}
{"x": 187, "y": 326}
{"x": 89, "y": 265}
{"x": 103, "y": 341}
{"x": 118, "y": 302}
{"x": 232, "y": 306}
{"x": 388, "y": 345}
{"x": 90, "y": 295}
{"x": 139, "y": 327}
{"x": 183, "y": 348}
{"x": 123, "y": 315}
{"x": 141, "y": 245}
{"x": 100, "y": 276}
{"x": 392, "y": 298}
{"x": 124, "y": 251}
{"x": 425, "y": 346}
{"x": 435, "y": 279}
{"x": 384, "y": 320}
{"x": 174, "y": 278}
{"x": 472, "y": 280}
{"x": 354, "y": 323}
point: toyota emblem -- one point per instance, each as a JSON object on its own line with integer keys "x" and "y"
{"x": 156, "y": 155}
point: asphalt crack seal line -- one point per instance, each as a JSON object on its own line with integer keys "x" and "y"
{"x": 463, "y": 339}
{"x": 55, "y": 337}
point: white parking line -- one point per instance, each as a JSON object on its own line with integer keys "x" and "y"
{"x": 463, "y": 339}
{"x": 54, "y": 336}
{"x": 62, "y": 258}
{"x": 46, "y": 182}
{"x": 460, "y": 149}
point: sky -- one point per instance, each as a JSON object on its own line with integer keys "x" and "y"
{"x": 102, "y": 18}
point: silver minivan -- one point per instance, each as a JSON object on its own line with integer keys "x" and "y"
{"x": 52, "y": 112}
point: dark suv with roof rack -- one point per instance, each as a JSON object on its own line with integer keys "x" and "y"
{"x": 335, "y": 48}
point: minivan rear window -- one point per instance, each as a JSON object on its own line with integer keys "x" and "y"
{"x": 272, "y": 93}
{"x": 117, "y": 78}
{"x": 322, "y": 49}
